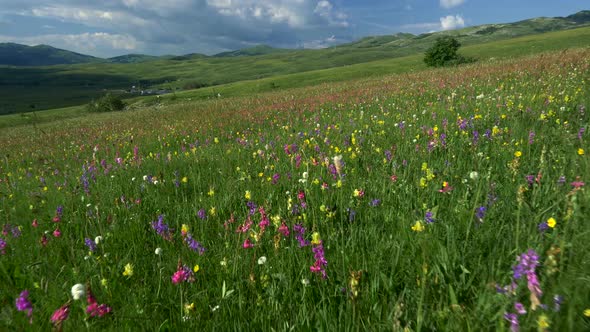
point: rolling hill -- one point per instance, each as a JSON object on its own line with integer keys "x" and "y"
{"x": 12, "y": 54}
{"x": 67, "y": 85}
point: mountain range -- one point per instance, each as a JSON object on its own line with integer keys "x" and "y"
{"x": 12, "y": 54}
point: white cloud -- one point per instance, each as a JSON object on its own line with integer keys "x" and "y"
{"x": 452, "y": 22}
{"x": 185, "y": 26}
{"x": 451, "y": 3}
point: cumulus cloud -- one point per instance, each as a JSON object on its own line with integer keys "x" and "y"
{"x": 184, "y": 26}
{"x": 451, "y": 3}
{"x": 452, "y": 22}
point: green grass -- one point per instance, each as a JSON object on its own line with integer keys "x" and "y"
{"x": 490, "y": 151}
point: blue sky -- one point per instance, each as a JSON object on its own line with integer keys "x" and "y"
{"x": 108, "y": 28}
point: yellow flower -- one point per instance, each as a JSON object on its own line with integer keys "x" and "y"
{"x": 184, "y": 229}
{"x": 517, "y": 154}
{"x": 247, "y": 195}
{"x": 211, "y": 192}
{"x": 315, "y": 238}
{"x": 551, "y": 222}
{"x": 543, "y": 322}
{"x": 128, "y": 270}
{"x": 196, "y": 268}
{"x": 184, "y": 179}
{"x": 418, "y": 226}
{"x": 212, "y": 211}
{"x": 581, "y": 151}
{"x": 587, "y": 312}
{"x": 356, "y": 193}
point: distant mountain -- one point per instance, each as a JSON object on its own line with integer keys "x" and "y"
{"x": 41, "y": 55}
{"x": 252, "y": 51}
{"x": 136, "y": 58}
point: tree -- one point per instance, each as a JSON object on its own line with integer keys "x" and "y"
{"x": 107, "y": 103}
{"x": 444, "y": 53}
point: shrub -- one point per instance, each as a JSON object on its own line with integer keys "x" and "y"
{"x": 444, "y": 53}
{"x": 106, "y": 103}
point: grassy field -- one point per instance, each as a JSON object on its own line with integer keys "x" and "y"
{"x": 74, "y": 84}
{"x": 449, "y": 199}
{"x": 484, "y": 53}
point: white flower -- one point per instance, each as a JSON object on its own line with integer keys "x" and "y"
{"x": 98, "y": 239}
{"x": 473, "y": 175}
{"x": 158, "y": 251}
{"x": 78, "y": 291}
{"x": 145, "y": 178}
{"x": 305, "y": 281}
{"x": 261, "y": 260}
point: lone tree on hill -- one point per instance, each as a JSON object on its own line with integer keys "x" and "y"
{"x": 444, "y": 53}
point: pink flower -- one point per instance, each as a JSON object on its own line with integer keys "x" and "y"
{"x": 57, "y": 232}
{"x": 34, "y": 223}
{"x": 247, "y": 244}
{"x": 94, "y": 309}
{"x": 182, "y": 274}
{"x": 60, "y": 315}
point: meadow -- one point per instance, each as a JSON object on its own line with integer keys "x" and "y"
{"x": 449, "y": 199}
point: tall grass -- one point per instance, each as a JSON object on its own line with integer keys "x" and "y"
{"x": 445, "y": 177}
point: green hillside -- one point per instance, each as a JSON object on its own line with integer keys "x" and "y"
{"x": 68, "y": 85}
{"x": 41, "y": 55}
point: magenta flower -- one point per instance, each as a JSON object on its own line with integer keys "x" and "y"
{"x": 182, "y": 274}
{"x": 94, "y": 309}
{"x": 23, "y": 304}
{"x": 60, "y": 315}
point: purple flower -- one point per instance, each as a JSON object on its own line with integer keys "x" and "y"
{"x": 519, "y": 307}
{"x": 202, "y": 214}
{"x": 527, "y": 263}
{"x": 90, "y": 244}
{"x": 162, "y": 228}
{"x": 319, "y": 266}
{"x": 531, "y": 137}
{"x": 2, "y": 246}
{"x": 351, "y": 214}
{"x": 557, "y": 301}
{"x": 581, "y": 132}
{"x": 480, "y": 213}
{"x": 299, "y": 232}
{"x": 375, "y": 202}
{"x": 428, "y": 217}
{"x": 194, "y": 244}
{"x": 251, "y": 207}
{"x": 23, "y": 304}
{"x": 561, "y": 180}
{"x": 513, "y": 319}
{"x": 543, "y": 226}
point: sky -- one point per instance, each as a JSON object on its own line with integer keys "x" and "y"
{"x": 107, "y": 28}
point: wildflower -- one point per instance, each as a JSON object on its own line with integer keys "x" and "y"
{"x": 183, "y": 274}
{"x": 262, "y": 260}
{"x": 445, "y": 188}
{"x": 577, "y": 184}
{"x": 247, "y": 244}
{"x": 513, "y": 319}
{"x": 158, "y": 251}
{"x": 543, "y": 322}
{"x": 517, "y": 154}
{"x": 196, "y": 268}
{"x": 98, "y": 239}
{"x": 320, "y": 261}
{"x": 90, "y": 244}
{"x": 358, "y": 193}
{"x": 23, "y": 304}
{"x": 587, "y": 312}
{"x": 376, "y": 202}
{"x": 57, "y": 232}
{"x": 3, "y": 246}
{"x": 551, "y": 222}
{"x": 473, "y": 175}
{"x": 338, "y": 164}
{"x": 519, "y": 307}
{"x": 162, "y": 228}
{"x": 248, "y": 195}
{"x": 283, "y": 229}
{"x": 211, "y": 192}
{"x": 428, "y": 217}
{"x": 77, "y": 291}
{"x": 300, "y": 231}
{"x": 543, "y": 226}
{"x": 194, "y": 244}
{"x": 418, "y": 226}
{"x": 94, "y": 309}
{"x": 480, "y": 213}
{"x": 580, "y": 151}
{"x": 557, "y": 301}
{"x": 202, "y": 214}
{"x": 128, "y": 272}
{"x": 315, "y": 239}
{"x": 60, "y": 315}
